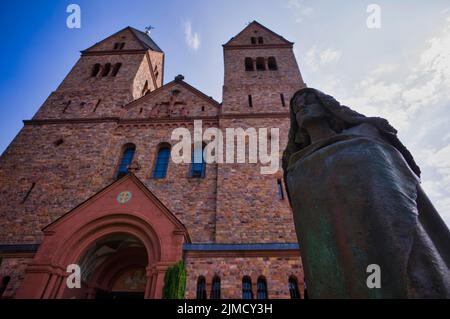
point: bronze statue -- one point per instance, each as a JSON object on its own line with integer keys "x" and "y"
{"x": 355, "y": 193}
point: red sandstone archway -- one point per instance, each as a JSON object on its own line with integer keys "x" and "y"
{"x": 67, "y": 240}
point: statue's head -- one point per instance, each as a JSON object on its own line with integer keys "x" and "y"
{"x": 308, "y": 108}
{"x": 308, "y": 105}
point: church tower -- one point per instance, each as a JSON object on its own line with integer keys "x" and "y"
{"x": 110, "y": 74}
{"x": 261, "y": 75}
{"x": 261, "y": 72}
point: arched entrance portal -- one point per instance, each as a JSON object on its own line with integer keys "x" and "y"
{"x": 115, "y": 268}
{"x": 123, "y": 248}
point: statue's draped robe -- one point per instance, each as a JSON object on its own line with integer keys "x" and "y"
{"x": 355, "y": 203}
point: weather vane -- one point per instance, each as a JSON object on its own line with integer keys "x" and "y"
{"x": 148, "y": 29}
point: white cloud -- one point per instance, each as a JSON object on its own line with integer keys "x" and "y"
{"x": 417, "y": 106}
{"x": 192, "y": 39}
{"x": 316, "y": 58}
{"x": 301, "y": 11}
{"x": 384, "y": 69}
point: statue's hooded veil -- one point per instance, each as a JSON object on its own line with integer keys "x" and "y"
{"x": 350, "y": 118}
{"x": 421, "y": 243}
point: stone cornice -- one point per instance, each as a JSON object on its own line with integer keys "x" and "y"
{"x": 120, "y": 121}
{"x": 113, "y": 52}
{"x": 241, "y": 250}
{"x": 259, "y": 47}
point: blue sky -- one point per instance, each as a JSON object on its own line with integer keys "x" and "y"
{"x": 401, "y": 71}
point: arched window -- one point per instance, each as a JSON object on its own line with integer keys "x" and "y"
{"x": 247, "y": 292}
{"x": 260, "y": 64}
{"x": 249, "y": 64}
{"x": 201, "y": 288}
{"x": 280, "y": 189}
{"x": 272, "y": 63}
{"x": 116, "y": 69}
{"x": 261, "y": 285}
{"x": 4, "y": 284}
{"x": 305, "y": 291}
{"x": 106, "y": 69}
{"x": 198, "y": 163}
{"x": 162, "y": 161}
{"x": 215, "y": 289}
{"x": 293, "y": 288}
{"x": 126, "y": 160}
{"x": 95, "y": 69}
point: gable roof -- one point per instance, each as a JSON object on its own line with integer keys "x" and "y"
{"x": 257, "y": 24}
{"x": 141, "y": 37}
{"x": 178, "y": 80}
{"x": 130, "y": 176}
{"x": 145, "y": 40}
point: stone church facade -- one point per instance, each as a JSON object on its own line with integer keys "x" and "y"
{"x": 88, "y": 180}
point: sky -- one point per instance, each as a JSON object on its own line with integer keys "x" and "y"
{"x": 400, "y": 71}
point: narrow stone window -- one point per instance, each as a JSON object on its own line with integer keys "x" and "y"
{"x": 260, "y": 40}
{"x": 145, "y": 88}
{"x": 58, "y": 142}
{"x": 215, "y": 288}
{"x": 253, "y": 40}
{"x": 305, "y": 291}
{"x": 119, "y": 45}
{"x": 203, "y": 109}
{"x": 95, "y": 69}
{"x": 201, "y": 288}
{"x": 106, "y": 69}
{"x": 116, "y": 69}
{"x": 249, "y": 64}
{"x": 293, "y": 288}
{"x": 261, "y": 285}
{"x": 272, "y": 63}
{"x": 250, "y": 101}
{"x": 28, "y": 193}
{"x": 67, "y": 106}
{"x": 283, "y": 103}
{"x": 96, "y": 105}
{"x": 260, "y": 64}
{"x": 247, "y": 292}
{"x": 280, "y": 189}
{"x": 4, "y": 284}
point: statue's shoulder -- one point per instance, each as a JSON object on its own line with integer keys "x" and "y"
{"x": 366, "y": 130}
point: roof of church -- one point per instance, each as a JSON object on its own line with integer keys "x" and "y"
{"x": 253, "y": 23}
{"x": 179, "y": 79}
{"x": 142, "y": 37}
{"x": 145, "y": 40}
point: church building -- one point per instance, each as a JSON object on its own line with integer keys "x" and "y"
{"x": 89, "y": 180}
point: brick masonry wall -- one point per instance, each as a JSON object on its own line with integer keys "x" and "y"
{"x": 248, "y": 205}
{"x": 14, "y": 267}
{"x": 234, "y": 203}
{"x": 86, "y": 162}
{"x": 231, "y": 270}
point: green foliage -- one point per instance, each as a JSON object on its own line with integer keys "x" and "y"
{"x": 175, "y": 281}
